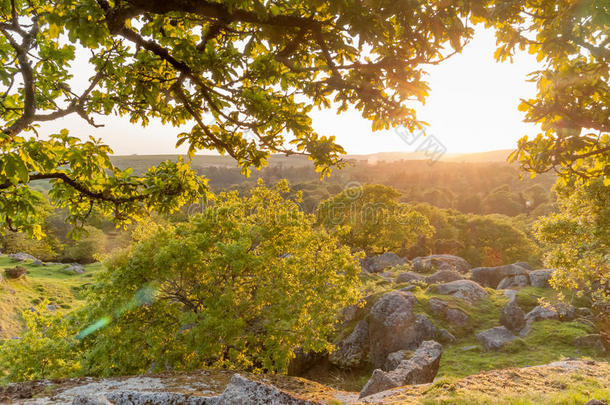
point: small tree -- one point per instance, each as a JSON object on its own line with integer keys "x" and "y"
{"x": 242, "y": 285}
{"x": 370, "y": 218}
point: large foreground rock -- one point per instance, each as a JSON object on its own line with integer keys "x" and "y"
{"x": 239, "y": 391}
{"x": 492, "y": 276}
{"x": 495, "y": 338}
{"x": 463, "y": 289}
{"x": 353, "y": 350}
{"x": 376, "y": 264}
{"x": 394, "y": 326}
{"x": 440, "y": 262}
{"x": 419, "y": 369}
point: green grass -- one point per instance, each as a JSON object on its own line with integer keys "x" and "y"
{"x": 41, "y": 282}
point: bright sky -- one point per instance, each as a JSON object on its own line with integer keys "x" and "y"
{"x": 472, "y": 107}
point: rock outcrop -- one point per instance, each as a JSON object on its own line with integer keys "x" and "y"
{"x": 394, "y": 326}
{"x": 426, "y": 264}
{"x": 419, "y": 369}
{"x": 376, "y": 264}
{"x": 464, "y": 289}
{"x": 492, "y": 276}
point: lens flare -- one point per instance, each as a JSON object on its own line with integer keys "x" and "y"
{"x": 144, "y": 296}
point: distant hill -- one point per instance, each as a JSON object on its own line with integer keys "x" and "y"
{"x": 142, "y": 162}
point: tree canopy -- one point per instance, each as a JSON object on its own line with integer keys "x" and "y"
{"x": 245, "y": 76}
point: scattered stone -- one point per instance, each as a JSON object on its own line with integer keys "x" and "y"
{"x": 457, "y": 317}
{"x": 495, "y": 338}
{"x": 16, "y": 272}
{"x": 540, "y": 278}
{"x": 443, "y": 276}
{"x": 352, "y": 351}
{"x": 376, "y": 264}
{"x": 37, "y": 263}
{"x": 52, "y": 307}
{"x": 74, "y": 268}
{"x": 444, "y": 336}
{"x": 512, "y": 316}
{"x": 593, "y": 341}
{"x": 517, "y": 281}
{"x": 463, "y": 289}
{"x": 440, "y": 262}
{"x": 492, "y": 276}
{"x": 394, "y": 326}
{"x": 409, "y": 276}
{"x": 419, "y": 369}
{"x": 22, "y": 257}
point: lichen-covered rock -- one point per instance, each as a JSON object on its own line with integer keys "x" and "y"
{"x": 394, "y": 326}
{"x": 242, "y": 391}
{"x": 154, "y": 398}
{"x": 512, "y": 316}
{"x": 492, "y": 276}
{"x": 353, "y": 350}
{"x": 376, "y": 264}
{"x": 463, "y": 289}
{"x": 443, "y": 276}
{"x": 426, "y": 264}
{"x": 408, "y": 277}
{"x": 540, "y": 278}
{"x": 516, "y": 281}
{"x": 495, "y": 338}
{"x": 419, "y": 369}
